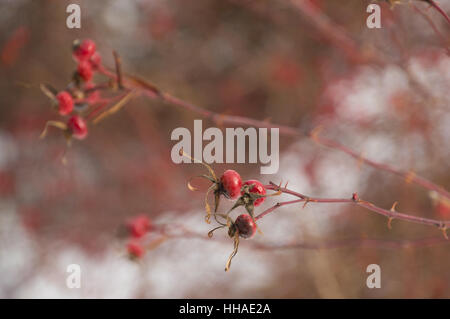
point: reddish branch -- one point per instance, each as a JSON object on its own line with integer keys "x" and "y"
{"x": 152, "y": 91}
{"x": 390, "y": 214}
{"x": 444, "y": 41}
{"x": 438, "y": 9}
{"x": 174, "y": 231}
{"x": 332, "y": 32}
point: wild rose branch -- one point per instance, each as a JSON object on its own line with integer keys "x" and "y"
{"x": 84, "y": 102}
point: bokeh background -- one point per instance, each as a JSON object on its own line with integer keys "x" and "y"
{"x": 268, "y": 60}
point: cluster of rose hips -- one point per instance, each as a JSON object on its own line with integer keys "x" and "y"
{"x": 135, "y": 230}
{"x": 249, "y": 194}
{"x": 79, "y": 94}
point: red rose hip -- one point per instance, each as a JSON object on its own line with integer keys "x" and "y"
{"x": 84, "y": 50}
{"x": 84, "y": 70}
{"x": 258, "y": 188}
{"x": 231, "y": 183}
{"x": 65, "y": 102}
{"x": 245, "y": 226}
{"x": 77, "y": 126}
{"x": 135, "y": 250}
{"x": 139, "y": 226}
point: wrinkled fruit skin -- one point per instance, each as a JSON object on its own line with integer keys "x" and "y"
{"x": 84, "y": 70}
{"x": 139, "y": 226}
{"x": 77, "y": 126}
{"x": 135, "y": 250}
{"x": 231, "y": 183}
{"x": 245, "y": 226}
{"x": 85, "y": 50}
{"x": 258, "y": 188}
{"x": 65, "y": 102}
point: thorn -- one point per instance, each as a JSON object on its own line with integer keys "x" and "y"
{"x": 410, "y": 177}
{"x": 315, "y": 133}
{"x": 361, "y": 160}
{"x": 389, "y": 224}
{"x": 285, "y": 186}
{"x": 220, "y": 120}
{"x": 393, "y": 206}
{"x": 307, "y": 200}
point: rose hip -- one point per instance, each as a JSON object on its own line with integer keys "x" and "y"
{"x": 258, "y": 188}
{"x": 139, "y": 226}
{"x": 84, "y": 70}
{"x": 65, "y": 102}
{"x": 84, "y": 50}
{"x": 245, "y": 226}
{"x": 78, "y": 127}
{"x": 231, "y": 183}
{"x": 135, "y": 249}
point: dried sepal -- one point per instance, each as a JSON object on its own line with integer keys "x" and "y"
{"x": 115, "y": 108}
{"x": 211, "y": 232}
{"x": 235, "y": 250}
{"x": 58, "y": 124}
{"x": 49, "y": 91}
{"x": 210, "y": 170}
{"x": 191, "y": 188}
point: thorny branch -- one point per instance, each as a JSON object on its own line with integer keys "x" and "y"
{"x": 391, "y": 214}
{"x": 153, "y": 92}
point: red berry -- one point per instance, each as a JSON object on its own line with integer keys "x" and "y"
{"x": 139, "y": 226}
{"x": 245, "y": 226}
{"x": 65, "y": 102}
{"x": 77, "y": 126}
{"x": 135, "y": 249}
{"x": 96, "y": 60}
{"x": 258, "y": 188}
{"x": 84, "y": 70}
{"x": 231, "y": 183}
{"x": 84, "y": 50}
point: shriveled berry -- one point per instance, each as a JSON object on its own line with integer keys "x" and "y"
{"x": 231, "y": 183}
{"x": 139, "y": 226}
{"x": 245, "y": 226}
{"x": 258, "y": 188}
{"x": 84, "y": 70}
{"x": 84, "y": 50}
{"x": 65, "y": 102}
{"x": 135, "y": 249}
{"x": 77, "y": 126}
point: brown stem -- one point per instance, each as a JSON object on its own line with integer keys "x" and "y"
{"x": 118, "y": 64}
